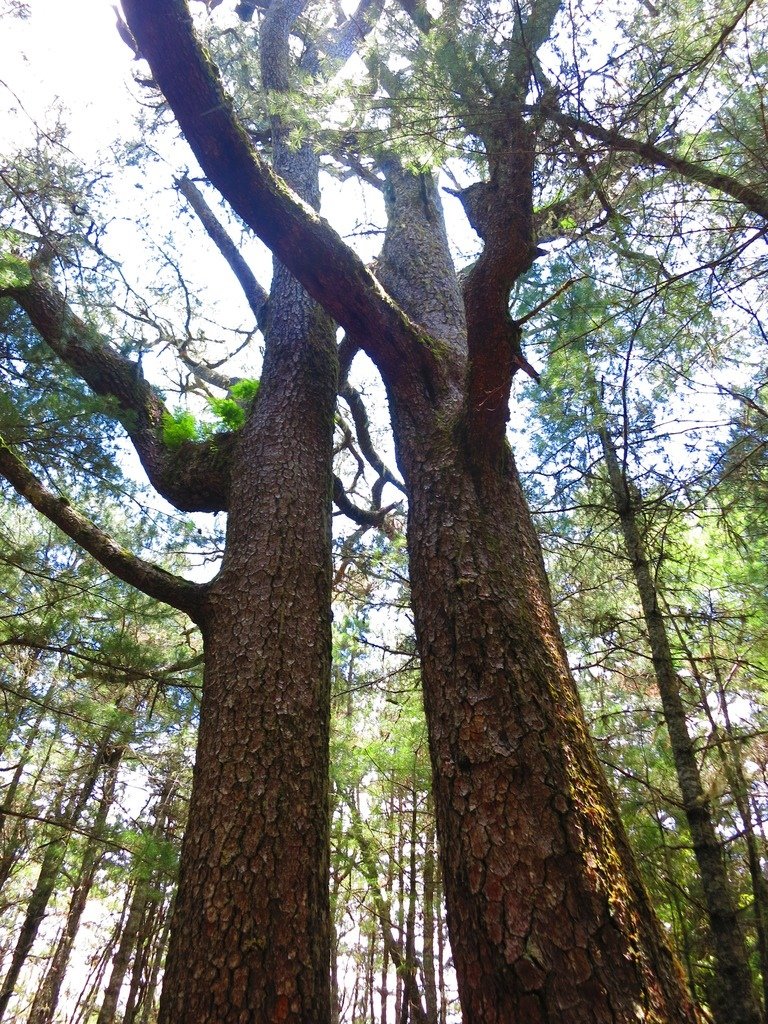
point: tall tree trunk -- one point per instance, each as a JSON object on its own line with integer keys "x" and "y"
{"x": 156, "y": 961}
{"x": 143, "y": 895}
{"x": 126, "y": 948}
{"x": 410, "y": 1011}
{"x": 251, "y": 932}
{"x": 734, "y": 997}
{"x": 547, "y": 915}
{"x": 47, "y": 996}
{"x": 406, "y": 970}
{"x": 50, "y": 869}
{"x": 428, "y": 940}
{"x": 441, "y": 987}
{"x": 12, "y": 838}
{"x": 728, "y": 748}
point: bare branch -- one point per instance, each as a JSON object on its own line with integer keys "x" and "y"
{"x": 362, "y": 428}
{"x": 255, "y": 295}
{"x": 361, "y": 516}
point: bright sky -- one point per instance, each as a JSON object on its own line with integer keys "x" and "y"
{"x": 68, "y": 51}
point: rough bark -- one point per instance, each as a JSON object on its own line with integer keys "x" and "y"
{"x": 251, "y": 934}
{"x": 547, "y": 916}
{"x": 734, "y": 998}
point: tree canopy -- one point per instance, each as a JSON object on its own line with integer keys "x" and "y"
{"x": 544, "y": 225}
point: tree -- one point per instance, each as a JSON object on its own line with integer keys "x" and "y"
{"x": 546, "y": 912}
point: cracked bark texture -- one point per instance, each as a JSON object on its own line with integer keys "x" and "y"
{"x": 547, "y": 916}
{"x": 251, "y": 935}
{"x": 250, "y": 940}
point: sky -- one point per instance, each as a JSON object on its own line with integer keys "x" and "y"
{"x": 68, "y": 51}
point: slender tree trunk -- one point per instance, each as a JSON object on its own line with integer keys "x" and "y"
{"x": 90, "y": 994}
{"x": 126, "y": 948}
{"x": 441, "y": 950}
{"x": 410, "y": 922}
{"x": 547, "y": 916}
{"x": 22, "y": 760}
{"x": 406, "y": 970}
{"x": 47, "y": 996}
{"x": 12, "y": 838}
{"x": 370, "y": 974}
{"x": 682, "y": 925}
{"x": 428, "y": 941}
{"x": 398, "y": 949}
{"x": 734, "y": 999}
{"x": 49, "y": 872}
{"x": 141, "y": 949}
{"x": 157, "y": 957}
{"x": 145, "y": 894}
{"x": 729, "y": 753}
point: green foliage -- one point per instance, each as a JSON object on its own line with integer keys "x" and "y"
{"x": 230, "y": 413}
{"x": 232, "y": 410}
{"x": 14, "y": 271}
{"x": 179, "y": 427}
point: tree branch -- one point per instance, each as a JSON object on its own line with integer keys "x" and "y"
{"x": 361, "y": 516}
{"x": 341, "y": 43}
{"x": 149, "y": 578}
{"x": 302, "y": 240}
{"x": 193, "y": 477}
{"x": 360, "y": 417}
{"x": 501, "y": 212}
{"x": 652, "y": 154}
{"x": 255, "y": 295}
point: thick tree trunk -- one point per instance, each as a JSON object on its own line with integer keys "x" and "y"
{"x": 251, "y": 934}
{"x": 547, "y": 916}
{"x": 734, "y": 998}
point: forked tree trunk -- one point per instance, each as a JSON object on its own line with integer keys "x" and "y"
{"x": 547, "y": 916}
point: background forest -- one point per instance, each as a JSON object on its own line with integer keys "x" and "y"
{"x": 639, "y": 422}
